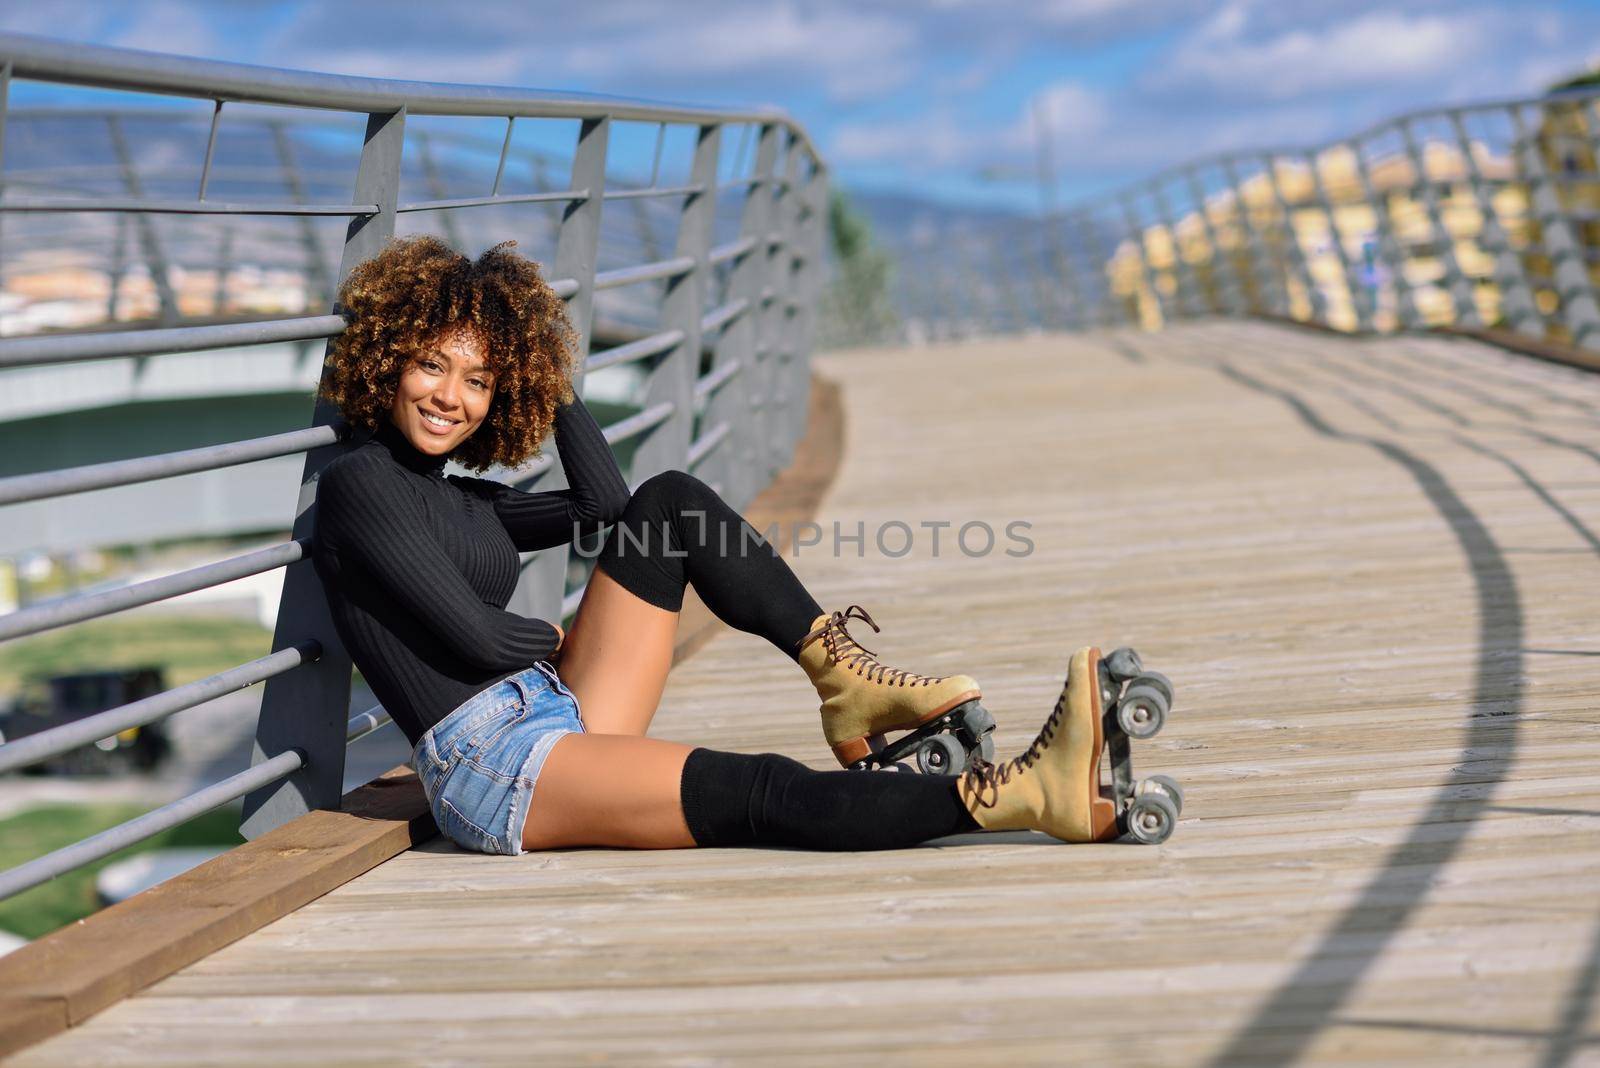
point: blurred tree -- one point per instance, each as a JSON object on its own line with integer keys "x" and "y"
{"x": 855, "y": 307}
{"x": 1590, "y": 78}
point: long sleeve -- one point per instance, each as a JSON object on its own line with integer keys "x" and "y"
{"x": 597, "y": 495}
{"x": 370, "y": 518}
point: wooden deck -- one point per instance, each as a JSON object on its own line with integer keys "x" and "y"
{"x": 1371, "y": 569}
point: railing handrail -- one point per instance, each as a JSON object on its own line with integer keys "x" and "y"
{"x": 105, "y": 67}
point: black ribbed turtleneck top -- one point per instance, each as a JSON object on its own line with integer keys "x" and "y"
{"x": 418, "y": 566}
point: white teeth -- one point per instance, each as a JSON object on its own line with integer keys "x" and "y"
{"x": 436, "y": 421}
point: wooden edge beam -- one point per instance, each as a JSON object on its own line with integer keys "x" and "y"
{"x": 1541, "y": 348}
{"x": 62, "y": 979}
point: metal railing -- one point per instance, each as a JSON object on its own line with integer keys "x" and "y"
{"x": 1477, "y": 216}
{"x": 723, "y": 382}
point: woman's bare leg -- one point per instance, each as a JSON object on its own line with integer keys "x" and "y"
{"x": 616, "y": 657}
{"x": 609, "y": 790}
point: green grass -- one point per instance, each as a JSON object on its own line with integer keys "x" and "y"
{"x": 36, "y": 831}
{"x": 188, "y": 647}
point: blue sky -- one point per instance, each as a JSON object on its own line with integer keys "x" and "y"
{"x": 939, "y": 98}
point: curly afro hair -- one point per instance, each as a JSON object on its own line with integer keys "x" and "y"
{"x": 399, "y": 302}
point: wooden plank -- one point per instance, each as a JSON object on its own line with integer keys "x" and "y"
{"x": 1388, "y": 720}
{"x": 28, "y": 1020}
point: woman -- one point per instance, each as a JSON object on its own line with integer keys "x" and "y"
{"x": 528, "y": 738}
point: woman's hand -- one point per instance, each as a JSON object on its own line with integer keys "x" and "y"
{"x": 561, "y": 635}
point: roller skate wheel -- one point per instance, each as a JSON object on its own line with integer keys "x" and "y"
{"x": 941, "y": 754}
{"x": 1157, "y": 680}
{"x": 1142, "y": 712}
{"x": 1123, "y": 664}
{"x": 1161, "y": 784}
{"x": 1151, "y": 818}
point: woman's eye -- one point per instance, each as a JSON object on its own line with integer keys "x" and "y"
{"x": 480, "y": 383}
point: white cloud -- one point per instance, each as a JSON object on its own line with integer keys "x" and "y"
{"x": 1364, "y": 52}
{"x": 854, "y": 54}
{"x": 942, "y": 139}
{"x": 1071, "y": 110}
{"x": 168, "y": 26}
{"x": 935, "y": 139}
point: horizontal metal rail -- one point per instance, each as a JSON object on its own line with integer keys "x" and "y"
{"x": 70, "y": 348}
{"x": 637, "y": 424}
{"x": 654, "y": 191}
{"x": 365, "y": 723}
{"x": 715, "y": 379}
{"x": 178, "y": 207}
{"x": 732, "y": 250}
{"x": 78, "y": 607}
{"x": 136, "y": 830}
{"x": 21, "y": 752}
{"x": 720, "y": 317}
{"x": 645, "y": 347}
{"x": 702, "y": 446}
{"x": 564, "y": 196}
{"x": 645, "y": 272}
{"x": 45, "y": 484}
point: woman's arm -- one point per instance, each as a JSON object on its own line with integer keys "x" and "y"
{"x": 370, "y": 518}
{"x": 597, "y": 495}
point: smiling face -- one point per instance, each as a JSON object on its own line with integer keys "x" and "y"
{"x": 444, "y": 393}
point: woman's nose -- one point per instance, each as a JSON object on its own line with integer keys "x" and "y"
{"x": 445, "y": 392}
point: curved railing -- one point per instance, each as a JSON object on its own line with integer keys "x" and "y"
{"x": 1483, "y": 217}
{"x": 719, "y": 345}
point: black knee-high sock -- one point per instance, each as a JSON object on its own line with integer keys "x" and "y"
{"x": 735, "y": 799}
{"x": 677, "y": 530}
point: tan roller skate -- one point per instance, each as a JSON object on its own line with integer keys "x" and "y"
{"x": 1057, "y": 786}
{"x": 862, "y": 701}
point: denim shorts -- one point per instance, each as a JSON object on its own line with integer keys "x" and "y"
{"x": 479, "y": 764}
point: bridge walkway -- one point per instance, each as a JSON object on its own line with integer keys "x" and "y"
{"x": 1370, "y": 566}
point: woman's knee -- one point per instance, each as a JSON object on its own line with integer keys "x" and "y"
{"x": 668, "y": 489}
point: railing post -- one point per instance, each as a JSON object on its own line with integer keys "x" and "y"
{"x": 741, "y": 400}
{"x": 670, "y": 377}
{"x": 1388, "y": 246}
{"x": 1188, "y": 289}
{"x": 1360, "y": 306}
{"x": 1510, "y": 277}
{"x": 543, "y": 581}
{"x": 309, "y": 708}
{"x": 1296, "y": 253}
{"x": 811, "y": 234}
{"x": 1225, "y": 279}
{"x": 1456, "y": 284}
{"x": 1146, "y": 271}
{"x": 775, "y": 332}
{"x": 791, "y": 208}
{"x": 1579, "y": 312}
{"x": 1270, "y": 295}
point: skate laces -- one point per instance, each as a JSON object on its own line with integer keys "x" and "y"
{"x": 984, "y": 778}
{"x": 843, "y": 649}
